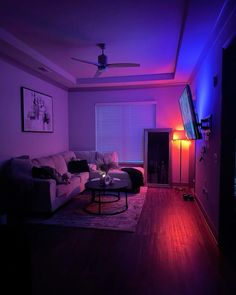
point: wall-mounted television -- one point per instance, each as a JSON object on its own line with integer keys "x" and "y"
{"x": 190, "y": 122}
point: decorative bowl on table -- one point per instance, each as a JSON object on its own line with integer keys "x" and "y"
{"x": 108, "y": 179}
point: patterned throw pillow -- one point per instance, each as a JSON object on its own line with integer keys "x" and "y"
{"x": 47, "y": 172}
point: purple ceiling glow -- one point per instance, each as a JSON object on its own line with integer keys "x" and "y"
{"x": 165, "y": 37}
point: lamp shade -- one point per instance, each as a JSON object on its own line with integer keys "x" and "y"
{"x": 179, "y": 135}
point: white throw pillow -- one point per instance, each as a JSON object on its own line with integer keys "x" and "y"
{"x": 92, "y": 167}
{"x": 107, "y": 158}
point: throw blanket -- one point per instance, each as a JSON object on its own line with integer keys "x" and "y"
{"x": 136, "y": 177}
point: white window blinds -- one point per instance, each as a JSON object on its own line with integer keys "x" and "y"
{"x": 120, "y": 127}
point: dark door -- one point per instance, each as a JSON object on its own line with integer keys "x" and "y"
{"x": 227, "y": 222}
{"x": 157, "y": 157}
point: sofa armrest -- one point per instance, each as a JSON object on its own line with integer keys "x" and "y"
{"x": 20, "y": 188}
{"x": 43, "y": 195}
{"x": 22, "y": 184}
{"x": 31, "y": 194}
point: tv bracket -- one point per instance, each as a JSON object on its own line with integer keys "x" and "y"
{"x": 206, "y": 124}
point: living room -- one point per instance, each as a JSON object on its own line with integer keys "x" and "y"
{"x": 197, "y": 61}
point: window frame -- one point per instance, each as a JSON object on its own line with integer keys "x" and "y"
{"x": 128, "y": 103}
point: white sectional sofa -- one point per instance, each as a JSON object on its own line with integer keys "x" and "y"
{"x": 42, "y": 195}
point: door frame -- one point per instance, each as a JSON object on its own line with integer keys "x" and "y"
{"x": 227, "y": 198}
{"x": 157, "y": 130}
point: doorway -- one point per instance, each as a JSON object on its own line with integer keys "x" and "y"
{"x": 227, "y": 221}
{"x": 157, "y": 164}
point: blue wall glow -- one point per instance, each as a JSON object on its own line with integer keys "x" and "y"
{"x": 208, "y": 103}
{"x": 208, "y": 97}
{"x": 203, "y": 93}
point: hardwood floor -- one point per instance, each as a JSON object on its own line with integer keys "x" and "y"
{"x": 172, "y": 252}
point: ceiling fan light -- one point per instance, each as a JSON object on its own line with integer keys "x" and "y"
{"x": 102, "y": 68}
{"x": 102, "y": 59}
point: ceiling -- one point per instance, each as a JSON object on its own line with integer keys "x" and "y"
{"x": 166, "y": 37}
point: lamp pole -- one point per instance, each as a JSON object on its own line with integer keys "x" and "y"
{"x": 180, "y": 161}
{"x": 179, "y": 135}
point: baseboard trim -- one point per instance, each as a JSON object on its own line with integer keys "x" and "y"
{"x": 208, "y": 222}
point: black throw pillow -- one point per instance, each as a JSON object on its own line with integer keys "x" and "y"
{"x": 78, "y": 166}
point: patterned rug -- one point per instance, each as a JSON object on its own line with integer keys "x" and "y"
{"x": 74, "y": 214}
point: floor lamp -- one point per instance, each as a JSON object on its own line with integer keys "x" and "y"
{"x": 179, "y": 135}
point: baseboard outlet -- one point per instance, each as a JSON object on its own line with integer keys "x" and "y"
{"x": 209, "y": 224}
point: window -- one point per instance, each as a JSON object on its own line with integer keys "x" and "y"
{"x": 120, "y": 127}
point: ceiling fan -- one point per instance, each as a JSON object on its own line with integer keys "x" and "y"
{"x": 102, "y": 63}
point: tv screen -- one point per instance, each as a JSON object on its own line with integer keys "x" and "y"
{"x": 188, "y": 114}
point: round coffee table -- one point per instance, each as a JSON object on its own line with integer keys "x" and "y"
{"x": 112, "y": 193}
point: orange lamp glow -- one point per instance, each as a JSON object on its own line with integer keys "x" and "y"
{"x": 179, "y": 135}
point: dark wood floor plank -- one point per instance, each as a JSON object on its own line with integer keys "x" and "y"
{"x": 171, "y": 252}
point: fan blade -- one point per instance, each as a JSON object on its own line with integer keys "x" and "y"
{"x": 97, "y": 74}
{"x": 85, "y": 61}
{"x": 122, "y": 65}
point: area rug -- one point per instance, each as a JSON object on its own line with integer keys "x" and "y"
{"x": 74, "y": 214}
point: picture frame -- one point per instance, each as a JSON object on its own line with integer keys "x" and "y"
{"x": 37, "y": 111}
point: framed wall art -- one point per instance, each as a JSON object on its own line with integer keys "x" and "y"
{"x": 37, "y": 111}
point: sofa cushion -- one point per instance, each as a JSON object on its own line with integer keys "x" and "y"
{"x": 84, "y": 177}
{"x": 62, "y": 190}
{"x": 78, "y": 166}
{"x": 44, "y": 161}
{"x": 60, "y": 163}
{"x": 72, "y": 188}
{"x": 68, "y": 156}
{"x": 117, "y": 173}
{"x": 90, "y": 156}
